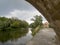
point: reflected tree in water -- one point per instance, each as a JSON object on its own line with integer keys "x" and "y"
{"x": 12, "y": 28}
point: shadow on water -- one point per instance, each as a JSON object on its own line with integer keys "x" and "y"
{"x": 15, "y": 37}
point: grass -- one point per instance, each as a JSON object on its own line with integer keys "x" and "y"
{"x": 34, "y": 31}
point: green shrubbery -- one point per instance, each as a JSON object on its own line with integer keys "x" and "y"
{"x": 12, "y": 23}
{"x": 12, "y": 28}
{"x": 36, "y": 25}
{"x": 37, "y": 21}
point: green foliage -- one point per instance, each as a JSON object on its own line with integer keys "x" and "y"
{"x": 11, "y": 23}
{"x": 37, "y": 21}
{"x": 12, "y": 28}
{"x": 36, "y": 25}
{"x": 15, "y": 24}
{"x": 24, "y": 24}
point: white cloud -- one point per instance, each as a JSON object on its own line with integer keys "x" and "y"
{"x": 24, "y": 15}
{"x": 18, "y": 8}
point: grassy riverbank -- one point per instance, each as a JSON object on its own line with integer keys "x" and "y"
{"x": 35, "y": 30}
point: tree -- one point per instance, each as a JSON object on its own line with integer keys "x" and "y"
{"x": 12, "y": 23}
{"x": 37, "y": 21}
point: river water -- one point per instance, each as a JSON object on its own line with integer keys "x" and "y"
{"x": 20, "y": 41}
{"x": 45, "y": 36}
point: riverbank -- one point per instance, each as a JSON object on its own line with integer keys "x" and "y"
{"x": 45, "y": 36}
{"x": 35, "y": 30}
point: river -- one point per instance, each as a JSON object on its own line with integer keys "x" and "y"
{"x": 19, "y": 41}
{"x": 45, "y": 36}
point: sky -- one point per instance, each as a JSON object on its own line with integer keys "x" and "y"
{"x": 18, "y": 8}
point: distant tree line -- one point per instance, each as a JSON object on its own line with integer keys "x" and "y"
{"x": 12, "y": 28}
{"x": 12, "y": 24}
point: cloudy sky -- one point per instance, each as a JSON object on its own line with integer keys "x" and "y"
{"x": 18, "y": 8}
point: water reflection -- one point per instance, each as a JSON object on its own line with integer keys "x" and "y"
{"x": 15, "y": 38}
